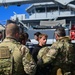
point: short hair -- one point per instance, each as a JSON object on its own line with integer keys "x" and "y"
{"x": 11, "y": 21}
{"x": 37, "y": 34}
{"x": 41, "y": 35}
{"x": 60, "y": 31}
{"x": 11, "y": 27}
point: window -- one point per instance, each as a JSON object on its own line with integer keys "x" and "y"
{"x": 39, "y": 10}
{"x": 48, "y": 9}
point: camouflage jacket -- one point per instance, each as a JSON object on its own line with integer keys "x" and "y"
{"x": 57, "y": 52}
{"x": 23, "y": 61}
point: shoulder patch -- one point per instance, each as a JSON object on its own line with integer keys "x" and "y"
{"x": 4, "y": 52}
{"x": 6, "y": 61}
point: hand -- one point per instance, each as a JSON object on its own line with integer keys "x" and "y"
{"x": 39, "y": 62}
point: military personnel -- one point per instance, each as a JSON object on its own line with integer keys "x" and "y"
{"x": 60, "y": 55}
{"x": 22, "y": 60}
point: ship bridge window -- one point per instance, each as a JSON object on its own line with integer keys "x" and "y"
{"x": 31, "y": 12}
{"x": 39, "y": 10}
{"x": 48, "y": 9}
{"x": 52, "y": 8}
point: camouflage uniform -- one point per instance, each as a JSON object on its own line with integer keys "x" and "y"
{"x": 56, "y": 56}
{"x": 23, "y": 61}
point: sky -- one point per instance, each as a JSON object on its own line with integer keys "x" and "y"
{"x": 6, "y": 13}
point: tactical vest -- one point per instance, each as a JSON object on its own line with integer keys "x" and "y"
{"x": 11, "y": 59}
{"x": 65, "y": 57}
{"x": 65, "y": 54}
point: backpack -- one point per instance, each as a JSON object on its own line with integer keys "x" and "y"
{"x": 6, "y": 61}
{"x": 65, "y": 59}
{"x": 68, "y": 53}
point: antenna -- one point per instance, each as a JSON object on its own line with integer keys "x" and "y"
{"x": 20, "y": 21}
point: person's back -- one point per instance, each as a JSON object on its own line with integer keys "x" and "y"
{"x": 15, "y": 48}
{"x": 21, "y": 61}
{"x": 60, "y": 55}
{"x": 65, "y": 56}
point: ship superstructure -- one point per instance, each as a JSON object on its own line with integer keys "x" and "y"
{"x": 48, "y": 11}
{"x": 47, "y": 16}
